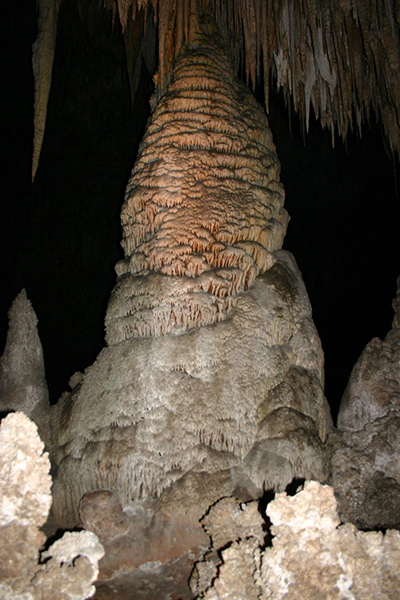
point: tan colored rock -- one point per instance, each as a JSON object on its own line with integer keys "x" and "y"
{"x": 163, "y": 533}
{"x": 24, "y": 467}
{"x": 71, "y": 569}
{"x": 25, "y": 500}
{"x": 101, "y": 512}
{"x": 203, "y": 211}
{"x": 229, "y": 522}
{"x": 312, "y": 556}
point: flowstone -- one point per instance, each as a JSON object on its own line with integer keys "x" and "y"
{"x": 243, "y": 396}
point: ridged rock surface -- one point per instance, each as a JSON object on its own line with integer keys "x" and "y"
{"x": 212, "y": 381}
{"x": 23, "y": 384}
{"x": 68, "y": 568}
{"x": 366, "y": 456}
{"x": 311, "y": 555}
{"x": 204, "y": 202}
{"x": 244, "y": 395}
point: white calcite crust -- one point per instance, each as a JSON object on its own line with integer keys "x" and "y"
{"x": 25, "y": 481}
{"x": 234, "y": 395}
{"x": 25, "y": 498}
{"x": 312, "y": 556}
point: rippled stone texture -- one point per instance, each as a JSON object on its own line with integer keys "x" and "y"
{"x": 312, "y": 556}
{"x": 204, "y": 204}
{"x": 234, "y": 403}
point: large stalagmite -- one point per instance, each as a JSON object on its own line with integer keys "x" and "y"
{"x": 212, "y": 381}
{"x": 23, "y": 384}
{"x": 203, "y": 203}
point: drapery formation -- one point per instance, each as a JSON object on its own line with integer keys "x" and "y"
{"x": 342, "y": 57}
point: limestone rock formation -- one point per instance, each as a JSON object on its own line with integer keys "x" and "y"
{"x": 366, "y": 456}
{"x": 204, "y": 202}
{"x": 228, "y": 522}
{"x": 243, "y": 396}
{"x": 212, "y": 381}
{"x": 173, "y": 423}
{"x": 23, "y": 384}
{"x": 342, "y": 59}
{"x": 240, "y": 389}
{"x": 151, "y": 546}
{"x": 25, "y": 500}
{"x": 311, "y": 555}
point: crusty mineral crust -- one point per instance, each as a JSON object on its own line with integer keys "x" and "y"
{"x": 243, "y": 394}
{"x": 68, "y": 568}
{"x": 312, "y": 556}
{"x": 204, "y": 205}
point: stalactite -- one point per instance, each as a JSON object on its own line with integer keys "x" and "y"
{"x": 339, "y": 57}
{"x": 342, "y": 57}
{"x": 42, "y": 62}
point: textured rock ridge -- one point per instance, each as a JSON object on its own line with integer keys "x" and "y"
{"x": 169, "y": 424}
{"x": 23, "y": 384}
{"x": 312, "y": 556}
{"x": 241, "y": 389}
{"x": 373, "y": 390}
{"x": 69, "y": 567}
{"x": 366, "y": 456}
{"x": 243, "y": 396}
{"x": 204, "y": 205}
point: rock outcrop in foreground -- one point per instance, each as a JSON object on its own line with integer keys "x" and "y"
{"x": 65, "y": 571}
{"x": 312, "y": 556}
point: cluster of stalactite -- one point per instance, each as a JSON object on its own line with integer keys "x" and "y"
{"x": 203, "y": 203}
{"x": 42, "y": 63}
{"x": 341, "y": 57}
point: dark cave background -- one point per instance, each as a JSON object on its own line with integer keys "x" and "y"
{"x": 60, "y": 236}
